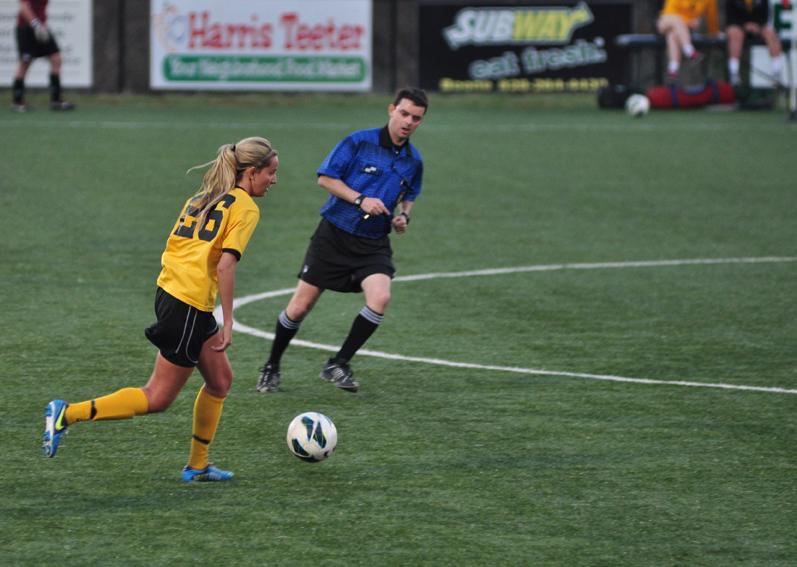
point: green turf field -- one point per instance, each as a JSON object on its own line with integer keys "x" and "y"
{"x": 576, "y": 433}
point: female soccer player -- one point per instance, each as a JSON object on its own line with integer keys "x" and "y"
{"x": 199, "y": 263}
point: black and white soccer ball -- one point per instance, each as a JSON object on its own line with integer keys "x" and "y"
{"x": 312, "y": 436}
{"x": 637, "y": 105}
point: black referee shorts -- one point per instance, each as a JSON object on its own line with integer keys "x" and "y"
{"x": 181, "y": 329}
{"x": 30, "y": 48}
{"x": 340, "y": 261}
{"x": 738, "y": 16}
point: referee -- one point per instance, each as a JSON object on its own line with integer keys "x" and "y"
{"x": 369, "y": 175}
{"x": 34, "y": 40}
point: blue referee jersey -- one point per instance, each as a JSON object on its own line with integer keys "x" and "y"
{"x": 368, "y": 162}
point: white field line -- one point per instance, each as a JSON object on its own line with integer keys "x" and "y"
{"x": 152, "y": 125}
{"x": 600, "y": 126}
{"x": 240, "y": 327}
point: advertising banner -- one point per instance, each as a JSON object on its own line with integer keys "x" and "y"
{"x": 535, "y": 47}
{"x": 70, "y": 23}
{"x": 322, "y": 45}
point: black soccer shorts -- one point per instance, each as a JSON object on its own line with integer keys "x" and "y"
{"x": 340, "y": 261}
{"x": 180, "y": 330}
{"x": 736, "y": 15}
{"x": 30, "y": 48}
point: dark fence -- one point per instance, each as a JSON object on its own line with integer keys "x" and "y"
{"x": 122, "y": 32}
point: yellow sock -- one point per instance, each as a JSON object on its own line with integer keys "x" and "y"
{"x": 207, "y": 413}
{"x": 122, "y": 404}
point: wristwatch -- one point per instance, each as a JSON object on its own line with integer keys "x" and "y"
{"x": 358, "y": 201}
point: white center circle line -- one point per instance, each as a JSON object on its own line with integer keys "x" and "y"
{"x": 240, "y": 327}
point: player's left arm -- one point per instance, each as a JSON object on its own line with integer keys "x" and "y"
{"x": 410, "y": 192}
{"x": 402, "y": 220}
{"x": 225, "y": 271}
{"x": 242, "y": 224}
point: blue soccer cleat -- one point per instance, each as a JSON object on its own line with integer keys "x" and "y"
{"x": 54, "y": 426}
{"x": 209, "y": 474}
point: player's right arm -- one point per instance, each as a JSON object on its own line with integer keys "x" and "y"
{"x": 339, "y": 189}
{"x": 41, "y": 31}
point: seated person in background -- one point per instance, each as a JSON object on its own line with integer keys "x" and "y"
{"x": 676, "y": 20}
{"x": 750, "y": 17}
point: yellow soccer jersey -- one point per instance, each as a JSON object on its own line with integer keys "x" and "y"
{"x": 193, "y": 253}
{"x": 690, "y": 10}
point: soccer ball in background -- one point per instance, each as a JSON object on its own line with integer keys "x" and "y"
{"x": 312, "y": 436}
{"x": 637, "y": 105}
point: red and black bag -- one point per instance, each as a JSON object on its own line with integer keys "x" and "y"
{"x": 712, "y": 92}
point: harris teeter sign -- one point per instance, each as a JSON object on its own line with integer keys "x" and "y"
{"x": 318, "y": 45}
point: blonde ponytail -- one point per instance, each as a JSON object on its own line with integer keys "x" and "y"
{"x": 226, "y": 170}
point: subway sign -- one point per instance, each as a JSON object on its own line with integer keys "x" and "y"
{"x": 525, "y": 48}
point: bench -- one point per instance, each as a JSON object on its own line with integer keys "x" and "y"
{"x": 633, "y": 42}
{"x": 642, "y": 40}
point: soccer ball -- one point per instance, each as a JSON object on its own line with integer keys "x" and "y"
{"x": 312, "y": 436}
{"x": 637, "y": 105}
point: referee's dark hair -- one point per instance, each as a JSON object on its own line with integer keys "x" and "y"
{"x": 416, "y": 95}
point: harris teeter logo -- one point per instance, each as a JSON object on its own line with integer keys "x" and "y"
{"x": 507, "y": 26}
{"x": 278, "y": 46}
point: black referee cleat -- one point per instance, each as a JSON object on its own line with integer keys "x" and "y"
{"x": 269, "y": 380}
{"x": 340, "y": 374}
{"x": 60, "y": 105}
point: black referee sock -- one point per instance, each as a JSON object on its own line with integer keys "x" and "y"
{"x": 362, "y": 328}
{"x": 55, "y": 88}
{"x": 19, "y": 91}
{"x": 285, "y": 331}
